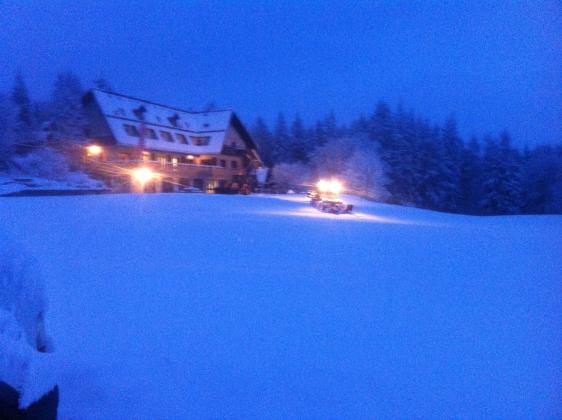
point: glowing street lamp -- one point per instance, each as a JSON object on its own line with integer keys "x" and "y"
{"x": 94, "y": 150}
{"x": 143, "y": 175}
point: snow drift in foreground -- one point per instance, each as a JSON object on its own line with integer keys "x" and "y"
{"x": 201, "y": 306}
{"x": 22, "y": 332}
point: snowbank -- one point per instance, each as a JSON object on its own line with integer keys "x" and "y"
{"x": 22, "y": 329}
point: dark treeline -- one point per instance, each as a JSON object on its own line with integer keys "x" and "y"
{"x": 392, "y": 155}
{"x": 398, "y": 157}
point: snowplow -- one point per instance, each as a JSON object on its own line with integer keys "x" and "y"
{"x": 325, "y": 197}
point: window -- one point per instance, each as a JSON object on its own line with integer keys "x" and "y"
{"x": 209, "y": 162}
{"x": 200, "y": 140}
{"x": 223, "y": 163}
{"x": 131, "y": 130}
{"x": 150, "y": 134}
{"x": 168, "y": 158}
{"x": 181, "y": 138}
{"x": 166, "y": 135}
{"x": 145, "y": 156}
{"x": 234, "y": 164}
{"x": 174, "y": 162}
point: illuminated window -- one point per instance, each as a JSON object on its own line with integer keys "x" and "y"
{"x": 145, "y": 156}
{"x": 166, "y": 135}
{"x": 175, "y": 161}
{"x": 131, "y": 130}
{"x": 181, "y": 138}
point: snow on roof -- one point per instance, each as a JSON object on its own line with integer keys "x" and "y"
{"x": 120, "y": 110}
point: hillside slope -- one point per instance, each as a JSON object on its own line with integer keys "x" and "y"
{"x": 201, "y": 306}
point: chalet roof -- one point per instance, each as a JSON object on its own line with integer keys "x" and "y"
{"x": 121, "y": 109}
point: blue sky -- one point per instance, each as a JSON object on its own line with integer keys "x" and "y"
{"x": 493, "y": 64}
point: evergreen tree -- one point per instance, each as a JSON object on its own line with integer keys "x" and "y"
{"x": 542, "y": 175}
{"x": 281, "y": 140}
{"x": 24, "y": 124}
{"x": 7, "y": 131}
{"x": 319, "y": 135}
{"x": 264, "y": 141}
{"x": 470, "y": 177}
{"x": 299, "y": 150}
{"x": 430, "y": 182}
{"x": 66, "y": 125}
{"x": 331, "y": 127}
{"x": 502, "y": 179}
{"x": 452, "y": 148}
{"x": 360, "y": 126}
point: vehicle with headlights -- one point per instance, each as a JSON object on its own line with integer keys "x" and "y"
{"x": 325, "y": 197}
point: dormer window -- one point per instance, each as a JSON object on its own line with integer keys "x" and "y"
{"x": 131, "y": 130}
{"x": 139, "y": 112}
{"x": 166, "y": 135}
{"x": 174, "y": 120}
{"x": 181, "y": 138}
{"x": 149, "y": 133}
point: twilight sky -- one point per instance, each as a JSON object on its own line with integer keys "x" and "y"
{"x": 494, "y": 64}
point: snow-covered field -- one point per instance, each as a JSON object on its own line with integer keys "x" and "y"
{"x": 202, "y": 306}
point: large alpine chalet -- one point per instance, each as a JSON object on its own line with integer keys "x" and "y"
{"x": 172, "y": 148}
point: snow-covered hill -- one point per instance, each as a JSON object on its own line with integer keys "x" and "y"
{"x": 202, "y": 306}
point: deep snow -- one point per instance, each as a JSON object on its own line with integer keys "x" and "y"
{"x": 202, "y": 306}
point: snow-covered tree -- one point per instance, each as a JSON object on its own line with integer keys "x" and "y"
{"x": 66, "y": 125}
{"x": 50, "y": 164}
{"x": 264, "y": 141}
{"x": 281, "y": 140}
{"x": 331, "y": 159}
{"x": 502, "y": 178}
{"x": 470, "y": 177}
{"x": 542, "y": 176}
{"x": 24, "y": 123}
{"x": 364, "y": 172}
{"x": 296, "y": 173}
{"x": 298, "y": 148}
{"x": 452, "y": 158}
{"x": 7, "y": 132}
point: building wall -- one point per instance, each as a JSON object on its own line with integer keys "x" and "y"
{"x": 115, "y": 165}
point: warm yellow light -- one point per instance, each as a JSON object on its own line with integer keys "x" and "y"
{"x": 323, "y": 185}
{"x": 329, "y": 186}
{"x": 94, "y": 150}
{"x": 190, "y": 157}
{"x": 335, "y": 186}
{"x": 143, "y": 175}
